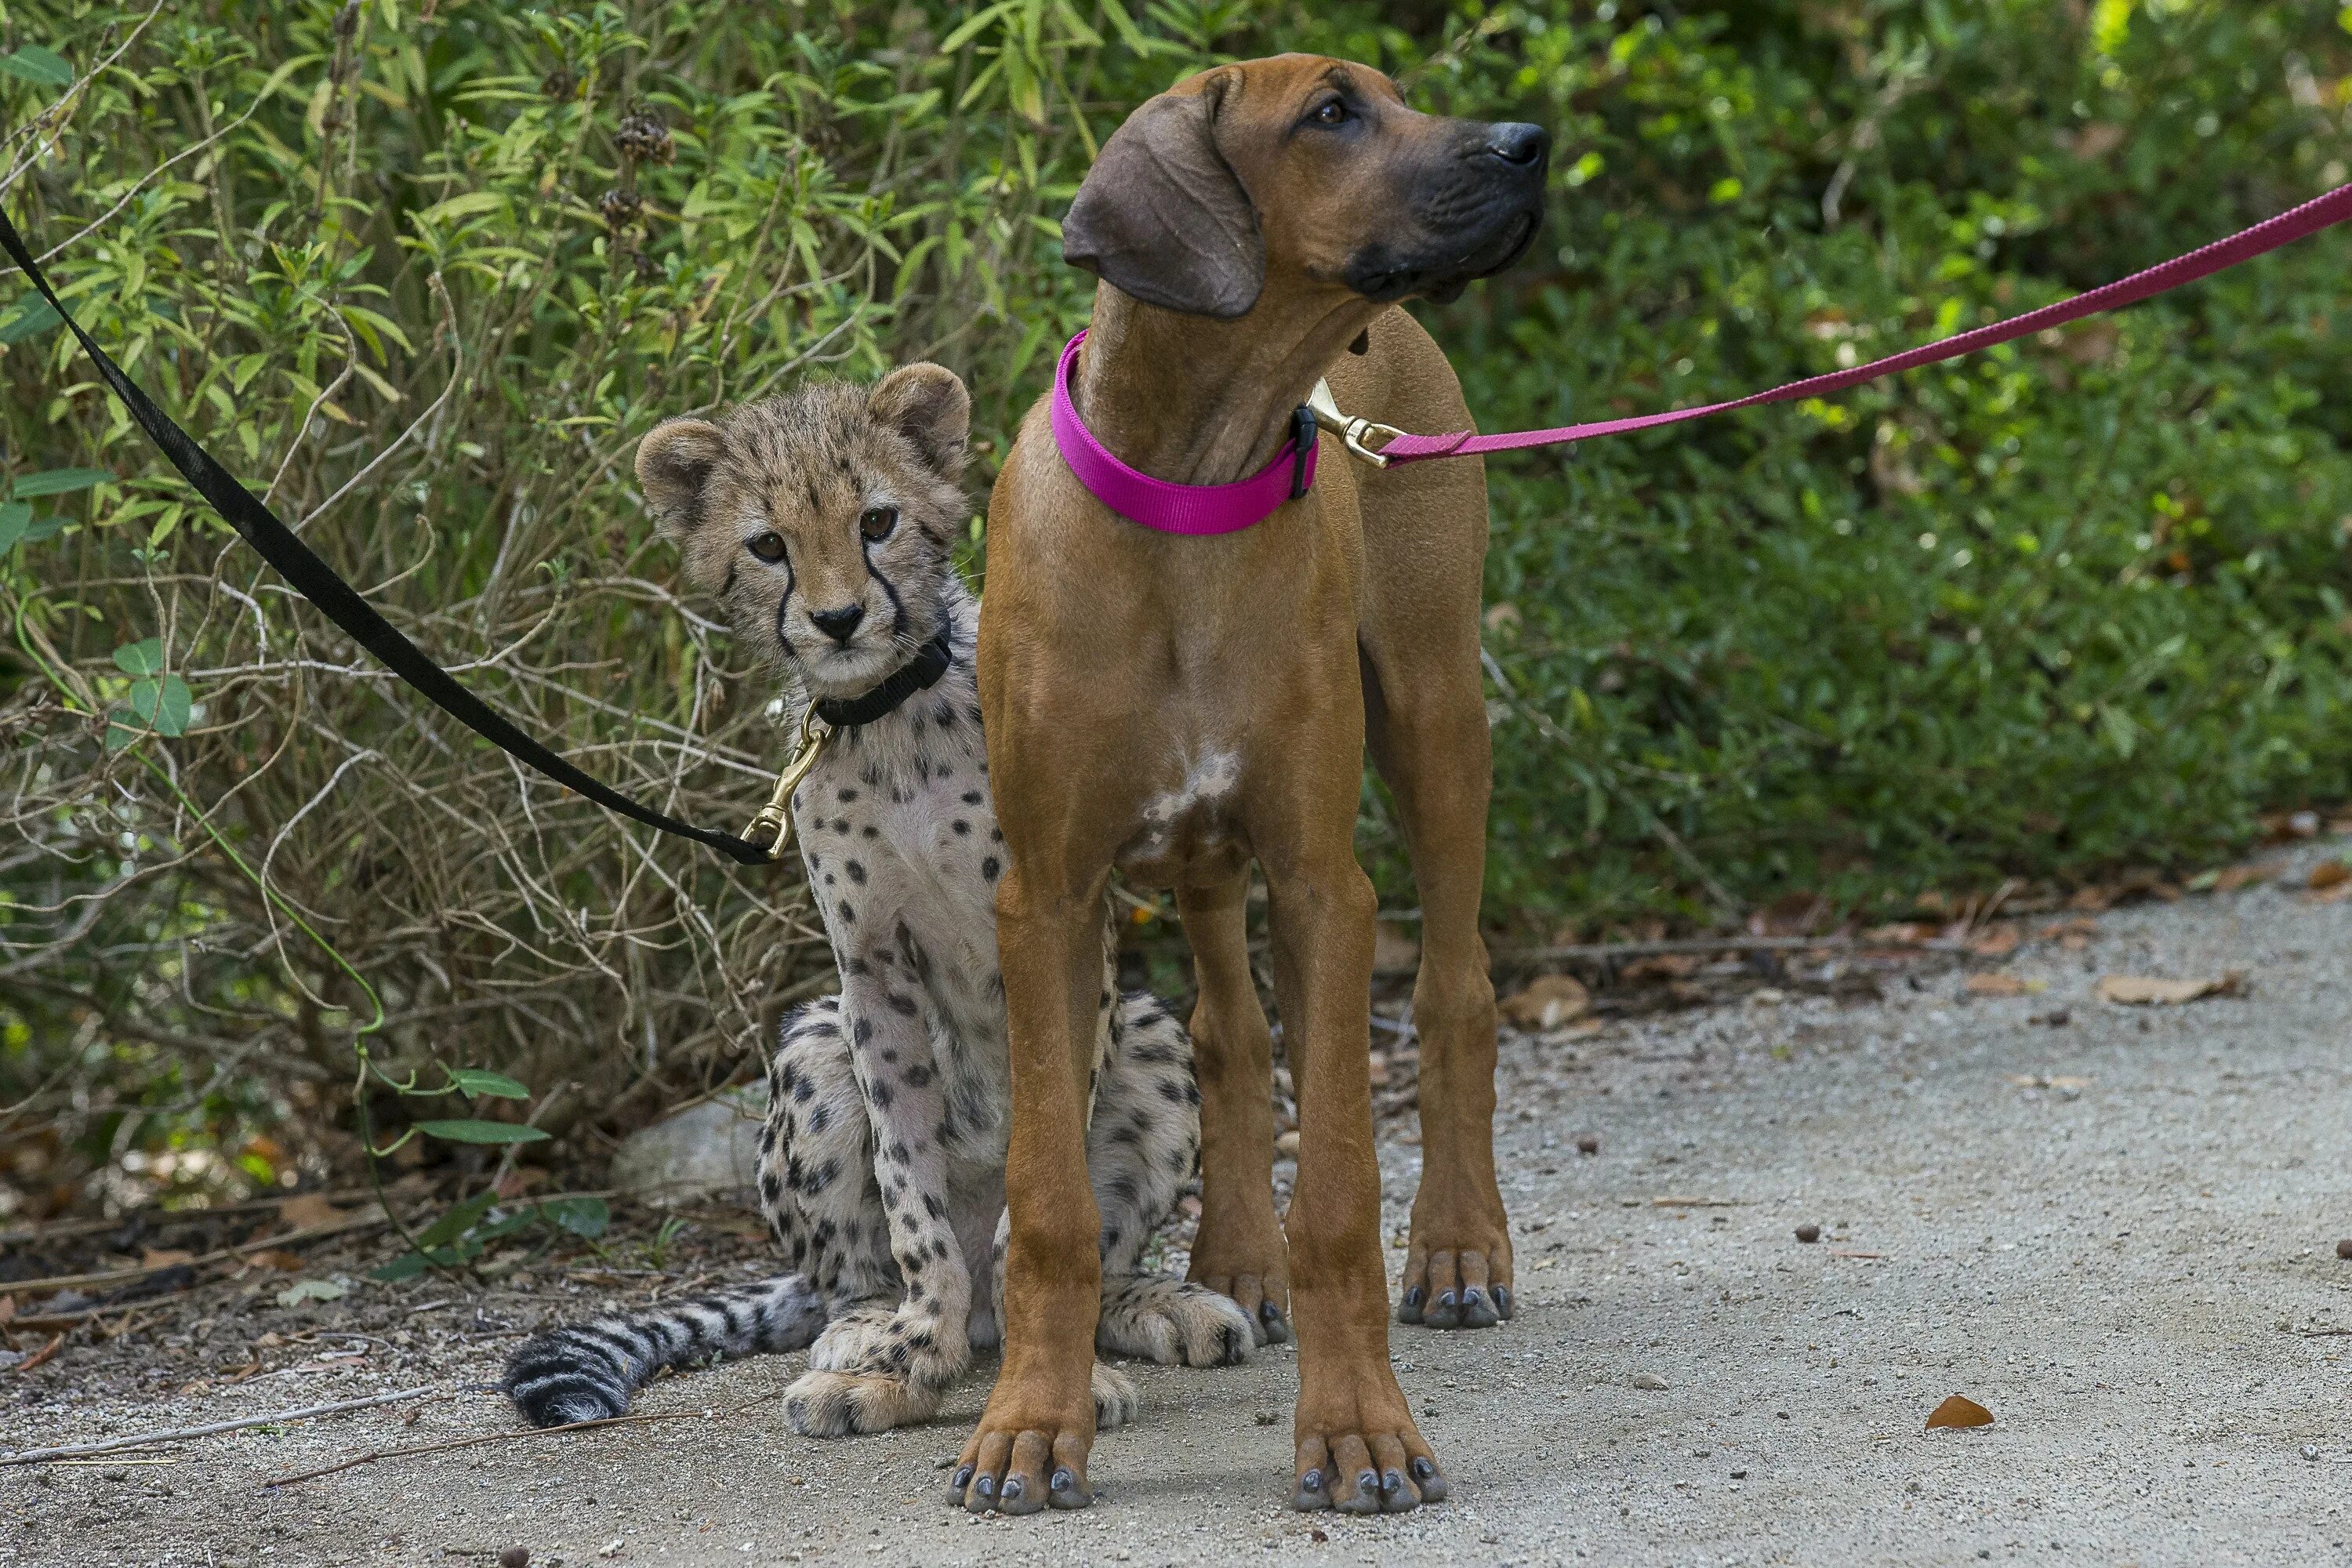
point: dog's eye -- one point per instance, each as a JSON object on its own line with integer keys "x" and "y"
{"x": 1330, "y": 112}
{"x": 876, "y": 521}
{"x": 768, "y": 546}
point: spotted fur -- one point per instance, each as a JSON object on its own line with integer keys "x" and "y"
{"x": 881, "y": 1166}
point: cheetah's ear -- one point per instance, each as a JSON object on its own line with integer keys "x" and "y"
{"x": 926, "y": 404}
{"x": 674, "y": 463}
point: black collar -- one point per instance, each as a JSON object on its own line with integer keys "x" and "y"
{"x": 920, "y": 673}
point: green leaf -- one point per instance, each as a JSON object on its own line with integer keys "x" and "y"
{"x": 478, "y": 1081}
{"x": 471, "y": 1131}
{"x": 32, "y": 317}
{"x": 456, "y": 1221}
{"x": 60, "y": 481}
{"x": 407, "y": 1265}
{"x": 35, "y": 64}
{"x": 581, "y": 1216}
{"x": 466, "y": 206}
{"x": 140, "y": 657}
{"x": 164, "y": 704}
{"x": 16, "y": 521}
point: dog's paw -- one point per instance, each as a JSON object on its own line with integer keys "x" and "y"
{"x": 1172, "y": 1320}
{"x": 1116, "y": 1401}
{"x": 837, "y": 1404}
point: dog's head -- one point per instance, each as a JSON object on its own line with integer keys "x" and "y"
{"x": 1307, "y": 170}
{"x": 822, "y": 521}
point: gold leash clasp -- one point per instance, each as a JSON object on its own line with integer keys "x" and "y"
{"x": 1351, "y": 428}
{"x": 776, "y": 816}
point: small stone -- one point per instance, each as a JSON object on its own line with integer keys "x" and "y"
{"x": 1649, "y": 1380}
{"x": 2344, "y": 1248}
{"x": 1808, "y": 1234}
{"x": 2311, "y": 1450}
{"x": 1740, "y": 1475}
{"x": 1265, "y": 1418}
{"x": 946, "y": 1463}
{"x": 1587, "y": 1145}
{"x": 115, "y": 1475}
{"x": 514, "y": 1557}
{"x": 1314, "y": 1535}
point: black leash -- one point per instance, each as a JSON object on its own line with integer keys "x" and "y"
{"x": 317, "y": 582}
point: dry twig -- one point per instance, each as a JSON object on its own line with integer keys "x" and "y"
{"x": 78, "y": 1450}
{"x": 514, "y": 1434}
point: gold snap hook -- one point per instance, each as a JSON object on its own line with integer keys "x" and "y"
{"x": 1351, "y": 428}
{"x": 776, "y": 816}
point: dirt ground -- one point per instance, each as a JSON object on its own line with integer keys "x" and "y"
{"x": 2116, "y": 1232}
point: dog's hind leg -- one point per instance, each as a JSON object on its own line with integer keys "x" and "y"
{"x": 1238, "y": 1248}
{"x": 1425, "y": 725}
{"x": 1141, "y": 1140}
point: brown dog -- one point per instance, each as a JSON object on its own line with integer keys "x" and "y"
{"x": 1178, "y": 707}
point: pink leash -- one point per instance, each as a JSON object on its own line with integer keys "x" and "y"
{"x": 2326, "y": 212}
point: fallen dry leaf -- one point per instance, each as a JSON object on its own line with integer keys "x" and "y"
{"x": 2146, "y": 991}
{"x": 1960, "y": 1411}
{"x": 1998, "y": 942}
{"x": 7, "y": 1310}
{"x": 2329, "y": 874}
{"x": 2074, "y": 935}
{"x": 1547, "y": 1001}
{"x": 309, "y": 1209}
{"x": 163, "y": 1256}
{"x": 277, "y": 1257}
{"x": 2005, "y": 985}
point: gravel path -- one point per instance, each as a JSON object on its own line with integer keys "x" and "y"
{"x": 2117, "y": 1233}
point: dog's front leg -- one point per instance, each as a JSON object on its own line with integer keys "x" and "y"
{"x": 1358, "y": 1448}
{"x": 1032, "y": 1440}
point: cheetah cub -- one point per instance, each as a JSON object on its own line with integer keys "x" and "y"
{"x": 823, "y": 523}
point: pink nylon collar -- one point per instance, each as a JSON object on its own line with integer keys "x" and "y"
{"x": 1159, "y": 503}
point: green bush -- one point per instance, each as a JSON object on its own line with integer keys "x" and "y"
{"x": 428, "y": 269}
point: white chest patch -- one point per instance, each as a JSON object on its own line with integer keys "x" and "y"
{"x": 1209, "y": 779}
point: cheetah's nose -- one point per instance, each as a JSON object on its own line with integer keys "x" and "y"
{"x": 838, "y": 625}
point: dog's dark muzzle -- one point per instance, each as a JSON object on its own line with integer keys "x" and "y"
{"x": 1473, "y": 212}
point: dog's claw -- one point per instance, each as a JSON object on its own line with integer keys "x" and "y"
{"x": 1275, "y": 1327}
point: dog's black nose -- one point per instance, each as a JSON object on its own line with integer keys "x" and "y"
{"x": 1518, "y": 145}
{"x": 839, "y": 624}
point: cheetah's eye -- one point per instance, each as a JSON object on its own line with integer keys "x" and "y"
{"x": 875, "y": 522}
{"x": 768, "y": 546}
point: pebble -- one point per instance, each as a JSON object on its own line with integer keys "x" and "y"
{"x": 1809, "y": 1232}
{"x": 2311, "y": 1450}
{"x": 2344, "y": 1248}
{"x": 1587, "y": 1145}
{"x": 1648, "y": 1380}
{"x": 115, "y": 1475}
{"x": 1740, "y": 1475}
{"x": 514, "y": 1557}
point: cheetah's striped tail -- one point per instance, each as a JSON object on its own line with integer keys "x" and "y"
{"x": 586, "y": 1372}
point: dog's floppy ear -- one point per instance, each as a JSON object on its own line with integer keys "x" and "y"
{"x": 1161, "y": 216}
{"x": 929, "y": 405}
{"x": 675, "y": 462}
